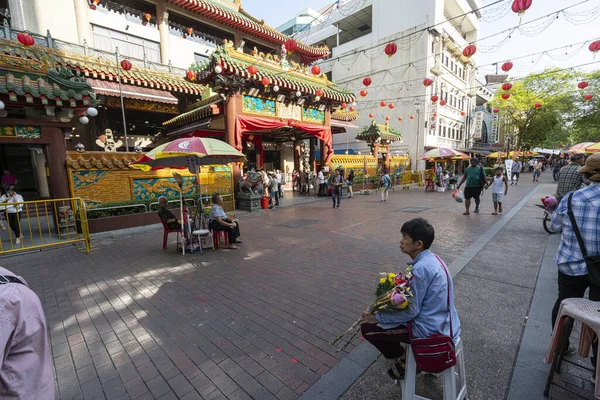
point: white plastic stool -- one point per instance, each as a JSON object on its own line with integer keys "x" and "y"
{"x": 208, "y": 234}
{"x": 409, "y": 384}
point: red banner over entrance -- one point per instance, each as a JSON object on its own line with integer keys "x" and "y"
{"x": 254, "y": 124}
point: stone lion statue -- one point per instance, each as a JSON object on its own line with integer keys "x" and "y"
{"x": 252, "y": 185}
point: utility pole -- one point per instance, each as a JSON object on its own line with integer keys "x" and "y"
{"x": 122, "y": 103}
{"x": 418, "y": 110}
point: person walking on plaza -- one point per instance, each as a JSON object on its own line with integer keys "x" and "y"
{"x": 475, "y": 181}
{"x": 499, "y": 189}
{"x": 556, "y": 169}
{"x": 516, "y": 171}
{"x": 322, "y": 183}
{"x": 303, "y": 183}
{"x": 569, "y": 177}
{"x": 577, "y": 217}
{"x": 26, "y": 371}
{"x": 13, "y": 211}
{"x": 336, "y": 187}
{"x": 350, "y": 183}
{"x": 531, "y": 164}
{"x": 430, "y": 311}
{"x": 537, "y": 170}
{"x": 384, "y": 186}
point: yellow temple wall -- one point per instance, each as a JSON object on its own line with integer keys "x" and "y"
{"x": 99, "y": 177}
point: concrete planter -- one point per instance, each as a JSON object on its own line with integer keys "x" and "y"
{"x": 124, "y": 221}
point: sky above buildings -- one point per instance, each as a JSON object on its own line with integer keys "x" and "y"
{"x": 569, "y": 29}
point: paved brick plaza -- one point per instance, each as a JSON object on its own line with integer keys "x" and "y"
{"x": 133, "y": 321}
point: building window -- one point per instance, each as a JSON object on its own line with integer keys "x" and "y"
{"x": 444, "y": 132}
{"x": 129, "y": 46}
{"x": 460, "y": 73}
{"x": 432, "y": 47}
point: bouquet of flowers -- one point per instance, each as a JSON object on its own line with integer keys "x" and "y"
{"x": 393, "y": 294}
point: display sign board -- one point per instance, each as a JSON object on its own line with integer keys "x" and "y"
{"x": 478, "y": 125}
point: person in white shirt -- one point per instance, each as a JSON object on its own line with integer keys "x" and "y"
{"x": 322, "y": 183}
{"x": 13, "y": 211}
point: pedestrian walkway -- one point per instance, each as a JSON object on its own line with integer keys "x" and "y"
{"x": 133, "y": 321}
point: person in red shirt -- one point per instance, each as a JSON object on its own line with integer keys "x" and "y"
{"x": 8, "y": 179}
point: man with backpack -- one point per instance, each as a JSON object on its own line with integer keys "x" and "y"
{"x": 384, "y": 186}
{"x": 476, "y": 180}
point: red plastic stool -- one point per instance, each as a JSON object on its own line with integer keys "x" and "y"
{"x": 217, "y": 238}
{"x": 429, "y": 185}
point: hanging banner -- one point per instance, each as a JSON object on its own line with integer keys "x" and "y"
{"x": 509, "y": 164}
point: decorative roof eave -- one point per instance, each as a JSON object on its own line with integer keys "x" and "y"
{"x": 99, "y": 160}
{"x": 342, "y": 115}
{"x": 240, "y": 21}
{"x": 35, "y": 86}
{"x": 295, "y": 78}
{"x": 208, "y": 109}
{"x": 36, "y": 58}
{"x": 376, "y": 131}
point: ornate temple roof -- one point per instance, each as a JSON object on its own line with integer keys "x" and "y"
{"x": 287, "y": 75}
{"x": 375, "y": 131}
{"x": 100, "y": 160}
{"x": 39, "y": 60}
{"x": 233, "y": 16}
{"x": 343, "y": 115}
{"x": 197, "y": 111}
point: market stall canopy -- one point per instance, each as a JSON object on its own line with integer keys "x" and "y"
{"x": 444, "y": 153}
{"x": 182, "y": 153}
{"x": 498, "y": 154}
{"x": 132, "y": 92}
{"x": 580, "y": 147}
{"x": 595, "y": 148}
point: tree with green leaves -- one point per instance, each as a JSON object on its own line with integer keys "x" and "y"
{"x": 561, "y": 117}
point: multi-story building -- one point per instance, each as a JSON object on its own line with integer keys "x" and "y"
{"x": 430, "y": 36}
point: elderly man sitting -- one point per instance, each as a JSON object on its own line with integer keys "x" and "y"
{"x": 166, "y": 215}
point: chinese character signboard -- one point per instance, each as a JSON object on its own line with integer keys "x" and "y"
{"x": 478, "y": 125}
{"x": 495, "y": 129}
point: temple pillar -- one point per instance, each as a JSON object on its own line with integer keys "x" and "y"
{"x": 83, "y": 21}
{"x": 312, "y": 154}
{"x": 231, "y": 108}
{"x": 162, "y": 20}
{"x": 39, "y": 166}
{"x": 322, "y": 154}
{"x": 57, "y": 153}
{"x": 297, "y": 153}
{"x": 386, "y": 160}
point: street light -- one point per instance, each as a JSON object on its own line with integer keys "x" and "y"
{"x": 418, "y": 110}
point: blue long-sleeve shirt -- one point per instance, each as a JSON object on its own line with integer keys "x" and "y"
{"x": 428, "y": 308}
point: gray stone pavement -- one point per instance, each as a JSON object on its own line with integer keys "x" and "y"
{"x": 133, "y": 321}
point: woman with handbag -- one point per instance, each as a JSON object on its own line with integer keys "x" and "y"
{"x": 430, "y": 316}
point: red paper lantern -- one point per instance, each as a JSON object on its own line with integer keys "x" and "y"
{"x": 363, "y": 93}
{"x": 496, "y": 111}
{"x": 367, "y": 81}
{"x": 320, "y": 93}
{"x": 391, "y": 106}
{"x": 462, "y": 113}
{"x": 391, "y": 49}
{"x": 506, "y": 96}
{"x": 148, "y": 17}
{"x": 387, "y": 118}
{"x": 507, "y": 66}
{"x": 191, "y": 75}
{"x": 266, "y": 81}
{"x": 507, "y": 86}
{"x": 427, "y": 82}
{"x": 316, "y": 70}
{"x": 351, "y": 109}
{"x": 344, "y": 105}
{"x": 469, "y": 51}
{"x": 291, "y": 45}
{"x": 595, "y": 46}
{"x": 443, "y": 102}
{"x": 383, "y": 103}
{"x": 25, "y": 39}
{"x": 371, "y": 115}
{"x": 434, "y": 115}
{"x": 400, "y": 119}
{"x": 412, "y": 117}
{"x": 252, "y": 70}
{"x": 537, "y": 105}
{"x": 588, "y": 97}
{"x": 190, "y": 31}
{"x": 126, "y": 65}
{"x": 582, "y": 85}
{"x": 434, "y": 98}
{"x": 520, "y": 6}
